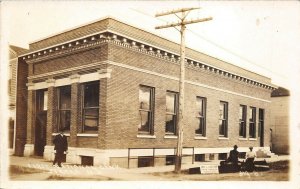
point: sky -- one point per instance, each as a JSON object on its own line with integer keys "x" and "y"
{"x": 261, "y": 36}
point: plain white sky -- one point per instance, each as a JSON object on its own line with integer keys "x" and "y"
{"x": 261, "y": 36}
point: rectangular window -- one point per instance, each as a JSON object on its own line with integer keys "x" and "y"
{"x": 146, "y": 102}
{"x": 242, "y": 119}
{"x": 170, "y": 160}
{"x": 223, "y": 119}
{"x": 171, "y": 112}
{"x": 90, "y": 106}
{"x": 64, "y": 108}
{"x": 145, "y": 161}
{"x": 201, "y": 111}
{"x": 252, "y": 122}
{"x": 261, "y": 115}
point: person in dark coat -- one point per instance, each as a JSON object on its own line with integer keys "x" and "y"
{"x": 60, "y": 146}
{"x": 233, "y": 156}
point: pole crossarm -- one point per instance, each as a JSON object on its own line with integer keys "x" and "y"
{"x": 184, "y": 23}
{"x": 176, "y": 11}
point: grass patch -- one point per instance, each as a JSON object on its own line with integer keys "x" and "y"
{"x": 279, "y": 165}
{"x": 16, "y": 169}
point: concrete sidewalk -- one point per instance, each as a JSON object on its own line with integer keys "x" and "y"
{"x": 77, "y": 172}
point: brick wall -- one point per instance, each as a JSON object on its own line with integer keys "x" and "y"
{"x": 122, "y": 104}
{"x": 73, "y": 60}
{"x": 21, "y": 113}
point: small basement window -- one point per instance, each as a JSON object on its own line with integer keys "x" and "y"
{"x": 170, "y": 160}
{"x": 199, "y": 157}
{"x": 87, "y": 160}
{"x": 222, "y": 156}
{"x": 145, "y": 161}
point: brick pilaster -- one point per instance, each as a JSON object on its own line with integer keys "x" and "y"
{"x": 51, "y": 111}
{"x": 30, "y": 117}
{"x": 102, "y": 113}
{"x": 21, "y": 107}
{"x": 75, "y": 109}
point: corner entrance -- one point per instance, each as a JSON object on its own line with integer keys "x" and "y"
{"x": 40, "y": 122}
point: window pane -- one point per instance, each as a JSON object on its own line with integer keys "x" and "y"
{"x": 170, "y": 102}
{"x": 242, "y": 129}
{"x": 91, "y": 119}
{"x": 200, "y": 123}
{"x": 45, "y": 105}
{"x": 144, "y": 121}
{"x": 251, "y": 127}
{"x": 64, "y": 120}
{"x": 221, "y": 111}
{"x": 221, "y": 128}
{"x": 261, "y": 114}
{"x": 144, "y": 98}
{"x": 200, "y": 106}
{"x": 241, "y": 113}
{"x": 65, "y": 97}
{"x": 170, "y": 124}
{"x": 91, "y": 95}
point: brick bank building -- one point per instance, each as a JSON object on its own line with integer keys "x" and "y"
{"x": 114, "y": 89}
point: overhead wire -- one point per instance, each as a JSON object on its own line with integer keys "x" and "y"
{"x": 215, "y": 44}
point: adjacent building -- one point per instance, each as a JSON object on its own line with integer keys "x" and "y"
{"x": 113, "y": 88}
{"x": 14, "y": 51}
{"x": 280, "y": 99}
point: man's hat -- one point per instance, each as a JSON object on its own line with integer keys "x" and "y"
{"x": 250, "y": 147}
{"x": 235, "y": 146}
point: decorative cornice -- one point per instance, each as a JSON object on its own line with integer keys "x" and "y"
{"x": 112, "y": 38}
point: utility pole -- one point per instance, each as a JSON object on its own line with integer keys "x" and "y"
{"x": 182, "y": 23}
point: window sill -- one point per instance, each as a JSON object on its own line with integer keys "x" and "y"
{"x": 223, "y": 138}
{"x": 66, "y": 134}
{"x": 146, "y": 136}
{"x": 243, "y": 139}
{"x": 88, "y": 134}
{"x": 200, "y": 138}
{"x": 171, "y": 136}
{"x": 253, "y": 139}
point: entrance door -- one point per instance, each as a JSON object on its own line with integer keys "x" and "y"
{"x": 40, "y": 133}
{"x": 261, "y": 117}
{"x": 40, "y": 122}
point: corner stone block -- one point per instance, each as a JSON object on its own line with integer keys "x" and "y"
{"x": 72, "y": 156}
{"x": 49, "y": 153}
{"x": 28, "y": 150}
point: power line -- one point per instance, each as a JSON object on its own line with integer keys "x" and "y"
{"x": 217, "y": 45}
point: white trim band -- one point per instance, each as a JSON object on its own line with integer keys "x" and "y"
{"x": 105, "y": 73}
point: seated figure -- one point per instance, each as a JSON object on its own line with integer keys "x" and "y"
{"x": 233, "y": 156}
{"x": 231, "y": 164}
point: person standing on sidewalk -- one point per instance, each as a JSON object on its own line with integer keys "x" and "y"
{"x": 60, "y": 146}
{"x": 250, "y": 156}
